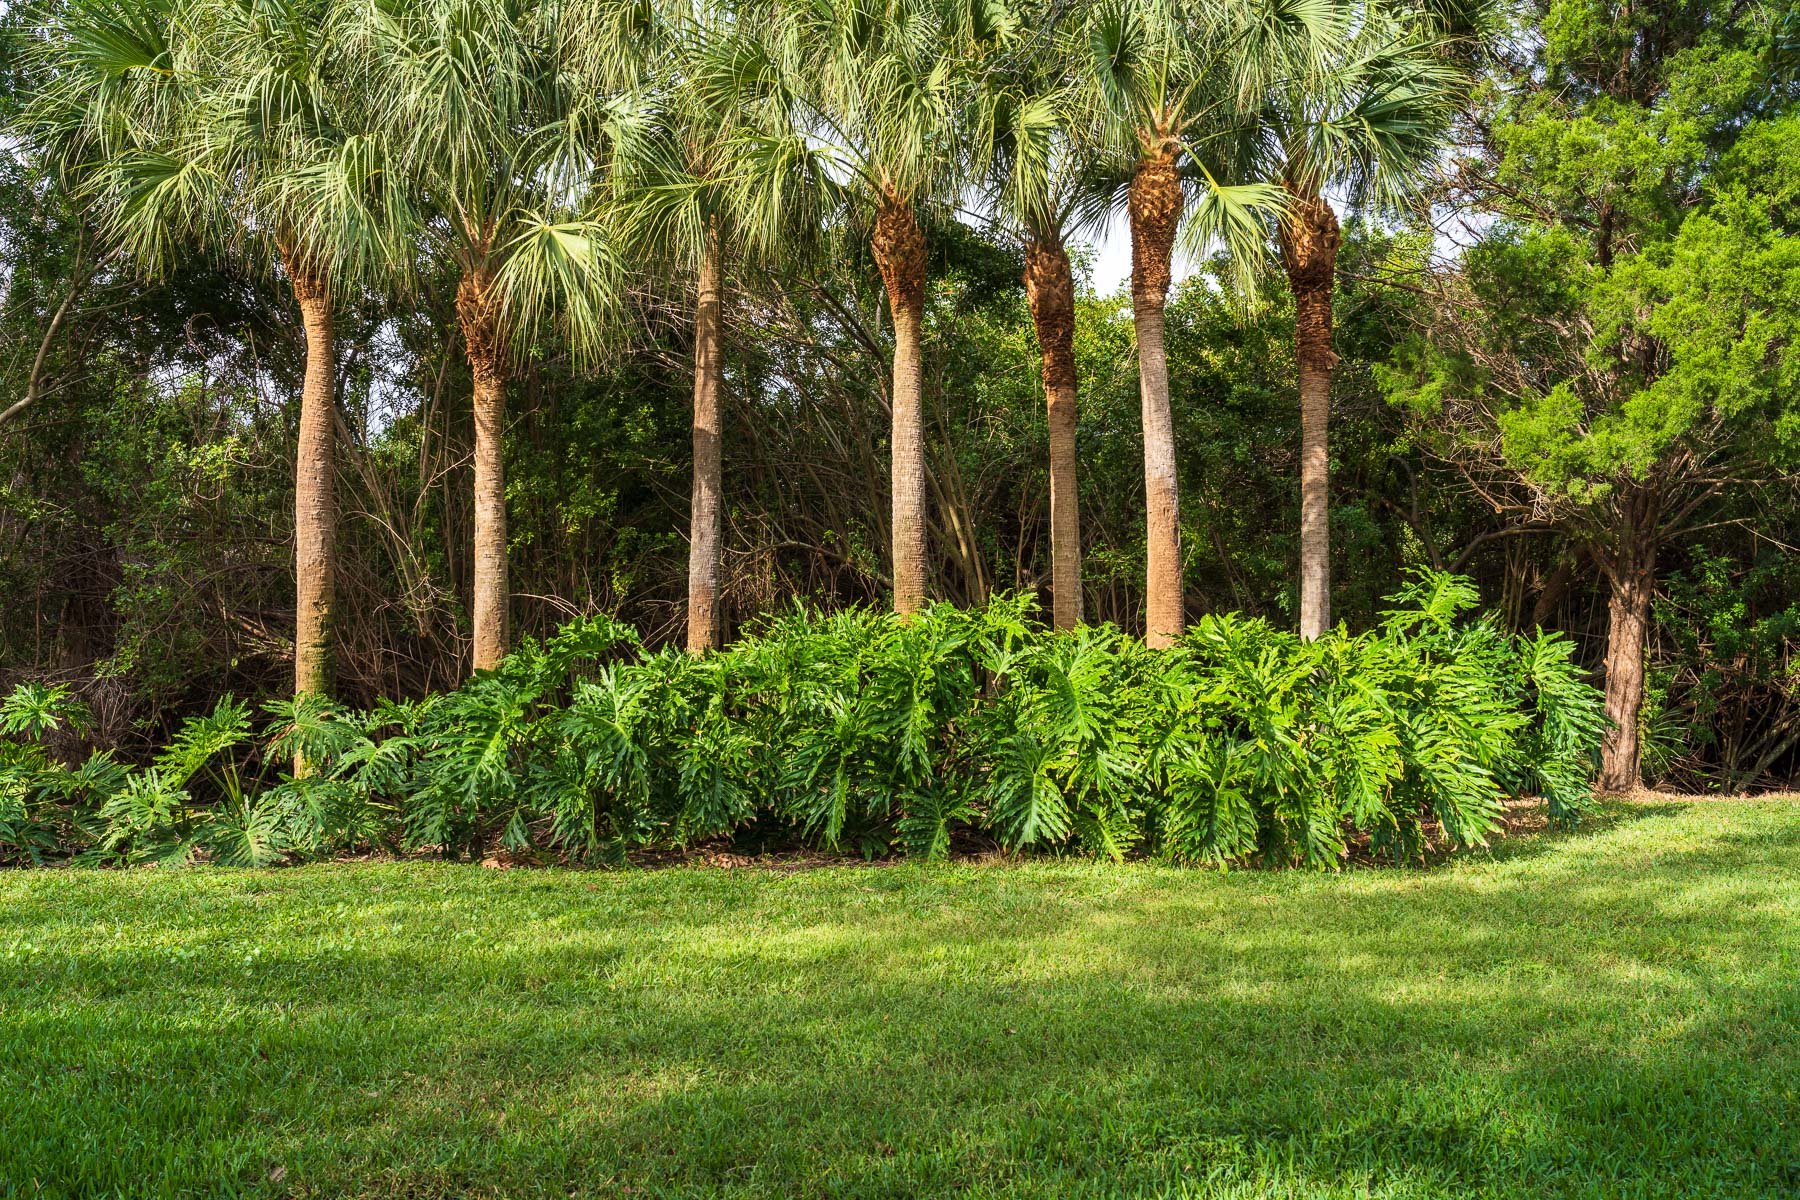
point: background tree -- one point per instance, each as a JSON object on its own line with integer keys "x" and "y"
{"x": 1618, "y": 351}
{"x": 502, "y": 153}
{"x": 147, "y": 490}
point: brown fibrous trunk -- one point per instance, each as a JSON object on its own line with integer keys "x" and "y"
{"x": 1309, "y": 239}
{"x": 705, "y": 514}
{"x": 1050, "y": 289}
{"x": 899, "y": 247}
{"x": 490, "y": 593}
{"x": 1631, "y": 574}
{"x": 315, "y": 500}
{"x": 1155, "y": 208}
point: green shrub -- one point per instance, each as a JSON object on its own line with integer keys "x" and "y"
{"x": 859, "y": 730}
{"x": 46, "y": 806}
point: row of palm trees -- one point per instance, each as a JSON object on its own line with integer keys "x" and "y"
{"x": 544, "y": 146}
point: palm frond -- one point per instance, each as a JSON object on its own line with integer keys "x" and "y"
{"x": 558, "y": 273}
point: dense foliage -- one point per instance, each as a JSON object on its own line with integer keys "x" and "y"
{"x": 857, "y": 730}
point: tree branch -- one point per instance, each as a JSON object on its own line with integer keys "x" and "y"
{"x": 34, "y": 385}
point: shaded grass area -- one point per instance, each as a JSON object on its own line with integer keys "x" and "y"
{"x": 1609, "y": 1013}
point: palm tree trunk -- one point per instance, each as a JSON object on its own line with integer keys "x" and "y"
{"x": 1050, "y": 288}
{"x": 1155, "y": 209}
{"x": 315, "y": 501}
{"x": 899, "y": 247}
{"x": 1309, "y": 247}
{"x": 486, "y": 366}
{"x": 704, "y": 514}
{"x": 1631, "y": 572}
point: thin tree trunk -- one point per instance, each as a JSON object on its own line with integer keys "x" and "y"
{"x": 490, "y": 593}
{"x": 1050, "y": 288}
{"x": 315, "y": 500}
{"x": 1309, "y": 247}
{"x": 1155, "y": 209}
{"x": 704, "y": 514}
{"x": 899, "y": 247}
{"x": 1631, "y": 571}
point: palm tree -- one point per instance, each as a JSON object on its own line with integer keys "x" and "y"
{"x": 719, "y": 104}
{"x": 226, "y": 126}
{"x": 1044, "y": 166}
{"x": 1166, "y": 77}
{"x": 500, "y": 148}
{"x": 1368, "y": 114}
{"x": 876, "y": 86}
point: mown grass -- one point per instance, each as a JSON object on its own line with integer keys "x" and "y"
{"x": 1610, "y": 1013}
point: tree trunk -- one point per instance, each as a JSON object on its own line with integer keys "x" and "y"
{"x": 900, "y": 253}
{"x": 1050, "y": 287}
{"x": 704, "y": 514}
{"x": 1309, "y": 246}
{"x": 1155, "y": 209}
{"x": 315, "y": 501}
{"x": 1555, "y": 587}
{"x": 490, "y": 594}
{"x": 1631, "y": 572}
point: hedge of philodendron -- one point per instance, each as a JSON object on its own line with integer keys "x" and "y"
{"x": 860, "y": 731}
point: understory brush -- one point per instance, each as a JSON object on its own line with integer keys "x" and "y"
{"x": 864, "y": 732}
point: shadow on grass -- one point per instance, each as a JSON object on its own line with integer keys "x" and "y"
{"x": 1619, "y": 1019}
{"x": 1544, "y": 838}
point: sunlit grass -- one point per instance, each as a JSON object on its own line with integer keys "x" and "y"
{"x": 1610, "y": 1013}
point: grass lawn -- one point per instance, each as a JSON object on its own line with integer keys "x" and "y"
{"x": 1609, "y": 1013}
